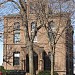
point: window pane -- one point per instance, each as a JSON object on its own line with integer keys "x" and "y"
{"x": 17, "y": 55}
{"x": 16, "y": 58}
{"x": 16, "y": 26}
{"x": 16, "y": 37}
{"x": 33, "y": 26}
{"x": 25, "y": 0}
{"x": 52, "y": 26}
{"x": 35, "y": 39}
{"x": 32, "y": 7}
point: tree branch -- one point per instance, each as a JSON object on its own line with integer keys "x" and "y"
{"x": 11, "y": 1}
{"x": 3, "y": 2}
{"x": 66, "y": 27}
{"x": 16, "y": 4}
{"x": 23, "y": 5}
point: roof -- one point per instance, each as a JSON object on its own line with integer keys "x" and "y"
{"x": 62, "y": 14}
{"x": 12, "y": 15}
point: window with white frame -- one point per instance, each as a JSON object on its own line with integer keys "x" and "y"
{"x": 16, "y": 58}
{"x": 32, "y": 7}
{"x": 25, "y": 0}
{"x": 33, "y": 26}
{"x": 51, "y": 26}
{"x": 16, "y": 37}
{"x": 16, "y": 32}
{"x": 33, "y": 29}
{"x": 16, "y": 26}
{"x": 52, "y": 30}
{"x": 35, "y": 39}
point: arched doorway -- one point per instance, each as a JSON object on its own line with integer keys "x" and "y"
{"x": 27, "y": 63}
{"x": 35, "y": 62}
{"x": 47, "y": 62}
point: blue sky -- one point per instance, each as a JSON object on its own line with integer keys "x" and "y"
{"x": 1, "y": 53}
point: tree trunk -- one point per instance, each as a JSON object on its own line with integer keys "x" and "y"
{"x": 52, "y": 55}
{"x": 30, "y": 46}
{"x": 52, "y": 64}
{"x": 31, "y": 67}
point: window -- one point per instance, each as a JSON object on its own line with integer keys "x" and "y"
{"x": 51, "y": 26}
{"x": 35, "y": 39}
{"x": 16, "y": 32}
{"x": 25, "y": 0}
{"x": 16, "y": 26}
{"x": 33, "y": 26}
{"x": 16, "y": 58}
{"x": 16, "y": 37}
{"x": 51, "y": 30}
{"x": 32, "y": 7}
{"x": 33, "y": 30}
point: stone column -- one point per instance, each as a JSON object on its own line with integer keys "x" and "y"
{"x": 25, "y": 64}
{"x": 24, "y": 52}
{"x": 40, "y": 60}
{"x": 41, "y": 65}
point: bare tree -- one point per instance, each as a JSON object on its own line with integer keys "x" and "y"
{"x": 28, "y": 38}
{"x": 53, "y": 7}
{"x": 53, "y": 34}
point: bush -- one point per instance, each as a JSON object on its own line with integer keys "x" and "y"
{"x": 46, "y": 73}
{"x": 2, "y": 70}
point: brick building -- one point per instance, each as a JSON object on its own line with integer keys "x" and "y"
{"x": 16, "y": 53}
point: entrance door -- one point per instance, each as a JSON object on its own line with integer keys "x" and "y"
{"x": 35, "y": 59}
{"x": 47, "y": 63}
{"x": 35, "y": 62}
{"x": 27, "y": 63}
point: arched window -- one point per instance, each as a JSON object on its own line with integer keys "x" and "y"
{"x": 32, "y": 7}
{"x": 33, "y": 29}
{"x": 16, "y": 26}
{"x": 51, "y": 26}
{"x": 25, "y": 0}
{"x": 51, "y": 30}
{"x": 16, "y": 58}
{"x": 33, "y": 26}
